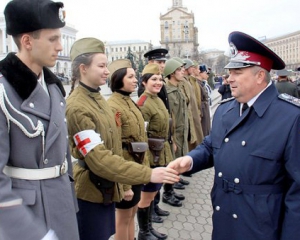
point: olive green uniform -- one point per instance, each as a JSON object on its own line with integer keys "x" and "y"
{"x": 130, "y": 121}
{"x": 156, "y": 114}
{"x": 179, "y": 113}
{"x": 89, "y": 111}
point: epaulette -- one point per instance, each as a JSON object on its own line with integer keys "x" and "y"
{"x": 226, "y": 100}
{"x": 142, "y": 100}
{"x": 290, "y": 99}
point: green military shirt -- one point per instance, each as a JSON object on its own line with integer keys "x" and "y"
{"x": 157, "y": 116}
{"x": 89, "y": 111}
{"x": 179, "y": 113}
{"x": 130, "y": 121}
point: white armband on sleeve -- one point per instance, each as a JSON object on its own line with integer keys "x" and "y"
{"x": 86, "y": 140}
{"x": 50, "y": 236}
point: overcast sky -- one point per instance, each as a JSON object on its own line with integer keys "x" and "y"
{"x": 113, "y": 20}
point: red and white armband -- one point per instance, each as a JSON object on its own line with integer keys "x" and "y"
{"x": 86, "y": 140}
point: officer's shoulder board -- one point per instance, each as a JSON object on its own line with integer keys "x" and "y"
{"x": 226, "y": 100}
{"x": 290, "y": 99}
{"x": 142, "y": 100}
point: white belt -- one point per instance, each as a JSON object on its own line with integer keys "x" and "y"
{"x": 36, "y": 174}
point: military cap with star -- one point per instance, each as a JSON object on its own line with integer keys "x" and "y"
{"x": 247, "y": 51}
{"x": 24, "y": 16}
{"x": 158, "y": 54}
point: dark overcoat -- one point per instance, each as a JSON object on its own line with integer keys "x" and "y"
{"x": 256, "y": 192}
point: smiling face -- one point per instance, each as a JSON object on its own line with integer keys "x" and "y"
{"x": 154, "y": 84}
{"x": 96, "y": 73}
{"x": 246, "y": 83}
{"x": 129, "y": 81}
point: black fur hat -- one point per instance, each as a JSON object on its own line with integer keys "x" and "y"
{"x": 24, "y": 16}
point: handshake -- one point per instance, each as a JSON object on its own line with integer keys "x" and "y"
{"x": 170, "y": 174}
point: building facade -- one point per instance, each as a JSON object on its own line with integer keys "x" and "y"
{"x": 63, "y": 64}
{"x": 287, "y": 47}
{"x": 133, "y": 49}
{"x": 178, "y": 32}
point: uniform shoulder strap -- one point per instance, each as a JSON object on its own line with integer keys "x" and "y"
{"x": 290, "y": 99}
{"x": 226, "y": 100}
{"x": 142, "y": 100}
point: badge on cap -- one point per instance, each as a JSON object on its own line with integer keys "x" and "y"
{"x": 233, "y": 50}
{"x": 62, "y": 14}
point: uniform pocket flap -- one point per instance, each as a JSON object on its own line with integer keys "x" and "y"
{"x": 28, "y": 195}
{"x": 265, "y": 154}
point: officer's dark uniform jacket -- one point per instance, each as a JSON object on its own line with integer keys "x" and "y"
{"x": 29, "y": 208}
{"x": 88, "y": 110}
{"x": 155, "y": 112}
{"x": 256, "y": 192}
{"x": 130, "y": 121}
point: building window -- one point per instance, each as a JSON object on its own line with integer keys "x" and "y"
{"x": 166, "y": 24}
{"x": 120, "y": 49}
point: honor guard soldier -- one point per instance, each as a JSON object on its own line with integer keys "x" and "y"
{"x": 36, "y": 189}
{"x": 254, "y": 148}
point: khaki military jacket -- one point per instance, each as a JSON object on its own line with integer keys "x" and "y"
{"x": 89, "y": 111}
{"x": 197, "y": 92}
{"x": 179, "y": 113}
{"x": 157, "y": 116}
{"x": 186, "y": 90}
{"x": 130, "y": 122}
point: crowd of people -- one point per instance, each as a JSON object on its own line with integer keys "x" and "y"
{"x": 125, "y": 150}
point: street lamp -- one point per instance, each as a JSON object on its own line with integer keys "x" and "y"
{"x": 186, "y": 35}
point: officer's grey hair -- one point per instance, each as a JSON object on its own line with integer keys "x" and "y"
{"x": 255, "y": 70}
{"x": 85, "y": 59}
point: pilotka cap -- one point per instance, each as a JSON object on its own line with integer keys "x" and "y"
{"x": 118, "y": 64}
{"x": 86, "y": 45}
{"x": 151, "y": 68}
{"x": 24, "y": 16}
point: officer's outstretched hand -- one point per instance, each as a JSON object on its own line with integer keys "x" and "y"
{"x": 181, "y": 164}
{"x": 164, "y": 175}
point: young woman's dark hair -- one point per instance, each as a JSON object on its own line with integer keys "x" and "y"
{"x": 116, "y": 81}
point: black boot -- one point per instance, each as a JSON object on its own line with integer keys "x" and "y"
{"x": 155, "y": 233}
{"x": 160, "y": 212}
{"x": 168, "y": 196}
{"x": 143, "y": 216}
{"x": 184, "y": 182}
{"x": 155, "y": 218}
